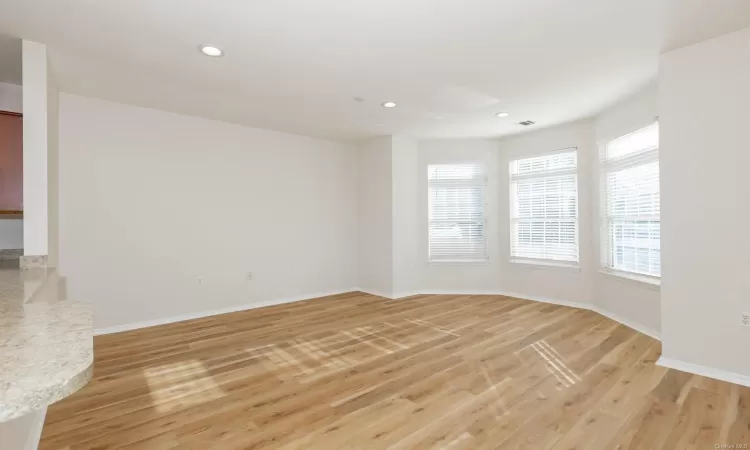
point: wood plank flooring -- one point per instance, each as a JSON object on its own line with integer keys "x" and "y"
{"x": 358, "y": 371}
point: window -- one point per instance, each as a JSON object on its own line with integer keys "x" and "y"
{"x": 631, "y": 226}
{"x": 544, "y": 208}
{"x": 457, "y": 219}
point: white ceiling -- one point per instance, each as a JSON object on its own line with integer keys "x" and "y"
{"x": 692, "y": 21}
{"x": 296, "y": 65}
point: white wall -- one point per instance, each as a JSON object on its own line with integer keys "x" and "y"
{"x": 636, "y": 302}
{"x": 405, "y": 165}
{"x": 11, "y": 97}
{"x": 633, "y": 302}
{"x": 52, "y": 169}
{"x": 448, "y": 277}
{"x": 375, "y": 215}
{"x": 559, "y": 283}
{"x": 152, "y": 201}
{"x": 11, "y": 228}
{"x": 704, "y": 95}
{"x": 387, "y": 202}
{"x": 35, "y": 139}
{"x": 170, "y": 199}
{"x": 11, "y": 233}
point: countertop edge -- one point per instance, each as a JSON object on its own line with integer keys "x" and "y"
{"x": 49, "y": 395}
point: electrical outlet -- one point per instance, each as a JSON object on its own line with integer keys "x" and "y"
{"x": 200, "y": 280}
{"x": 745, "y": 319}
{"x": 249, "y": 276}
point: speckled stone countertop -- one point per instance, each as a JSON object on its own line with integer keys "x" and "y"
{"x": 46, "y": 343}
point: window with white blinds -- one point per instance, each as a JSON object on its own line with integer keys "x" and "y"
{"x": 631, "y": 226}
{"x": 457, "y": 217}
{"x": 544, "y": 208}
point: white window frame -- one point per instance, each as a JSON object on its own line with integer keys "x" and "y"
{"x": 606, "y": 166}
{"x": 479, "y": 181}
{"x": 573, "y": 264}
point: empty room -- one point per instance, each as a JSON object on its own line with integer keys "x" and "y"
{"x": 391, "y": 224}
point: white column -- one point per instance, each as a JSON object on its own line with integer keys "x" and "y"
{"x": 704, "y": 158}
{"x": 404, "y": 171}
{"x": 35, "y": 138}
{"x": 375, "y": 217}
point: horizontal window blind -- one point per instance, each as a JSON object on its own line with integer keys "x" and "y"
{"x": 457, "y": 212}
{"x": 630, "y": 189}
{"x": 544, "y": 207}
{"x": 548, "y": 163}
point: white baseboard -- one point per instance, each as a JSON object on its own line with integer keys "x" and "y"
{"x": 401, "y": 295}
{"x": 214, "y": 312}
{"x": 553, "y": 301}
{"x": 454, "y": 292}
{"x": 510, "y": 294}
{"x": 395, "y": 296}
{"x": 617, "y": 318}
{"x": 663, "y": 361}
{"x": 375, "y": 292}
{"x": 597, "y": 309}
{"x": 704, "y": 371}
{"x": 198, "y": 315}
{"x": 627, "y": 322}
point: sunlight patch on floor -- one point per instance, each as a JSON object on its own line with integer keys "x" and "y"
{"x": 309, "y": 359}
{"x": 555, "y": 365}
{"x": 199, "y": 388}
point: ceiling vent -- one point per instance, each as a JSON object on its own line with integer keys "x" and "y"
{"x": 526, "y": 123}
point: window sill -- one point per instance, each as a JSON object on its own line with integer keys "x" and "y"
{"x": 460, "y": 262}
{"x": 642, "y": 280}
{"x": 547, "y": 264}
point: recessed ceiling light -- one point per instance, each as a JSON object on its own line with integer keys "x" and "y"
{"x": 389, "y": 104}
{"x": 502, "y": 114}
{"x": 210, "y": 50}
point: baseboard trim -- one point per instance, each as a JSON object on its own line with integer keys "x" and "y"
{"x": 375, "y": 293}
{"x": 510, "y": 294}
{"x": 617, "y": 318}
{"x": 401, "y": 295}
{"x": 595, "y": 308}
{"x": 245, "y": 307}
{"x": 709, "y": 372}
{"x": 214, "y": 312}
{"x": 450, "y": 292}
{"x": 627, "y": 322}
{"x": 549, "y": 300}
{"x": 663, "y": 361}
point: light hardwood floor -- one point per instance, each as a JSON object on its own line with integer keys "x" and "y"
{"x": 358, "y": 371}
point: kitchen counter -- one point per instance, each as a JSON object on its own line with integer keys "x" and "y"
{"x": 46, "y": 343}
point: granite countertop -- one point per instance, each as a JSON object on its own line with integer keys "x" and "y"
{"x": 46, "y": 344}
